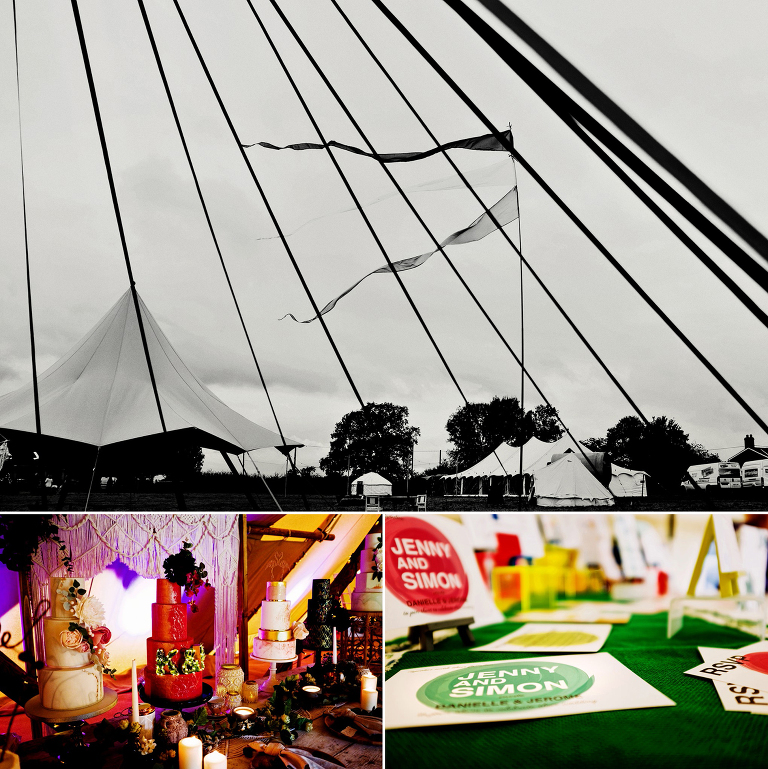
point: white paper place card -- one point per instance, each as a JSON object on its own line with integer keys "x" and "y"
{"x": 510, "y": 690}
{"x": 744, "y": 699}
{"x": 747, "y": 666}
{"x": 571, "y": 638}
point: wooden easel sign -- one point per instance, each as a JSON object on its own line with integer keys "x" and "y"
{"x": 433, "y": 580}
{"x": 720, "y": 530}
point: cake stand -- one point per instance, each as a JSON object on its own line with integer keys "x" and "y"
{"x": 268, "y": 685}
{"x": 72, "y": 719}
{"x": 159, "y": 702}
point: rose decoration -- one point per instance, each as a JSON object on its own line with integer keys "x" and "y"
{"x": 300, "y": 631}
{"x": 90, "y": 612}
{"x": 101, "y": 635}
{"x": 73, "y": 639}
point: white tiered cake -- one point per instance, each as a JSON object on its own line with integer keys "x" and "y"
{"x": 275, "y": 640}
{"x": 69, "y": 680}
{"x": 368, "y": 592}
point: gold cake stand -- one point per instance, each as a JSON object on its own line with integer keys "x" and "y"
{"x": 61, "y": 720}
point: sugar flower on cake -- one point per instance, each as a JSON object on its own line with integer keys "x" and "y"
{"x": 300, "y": 632}
{"x": 90, "y": 612}
{"x": 101, "y": 636}
{"x": 73, "y": 639}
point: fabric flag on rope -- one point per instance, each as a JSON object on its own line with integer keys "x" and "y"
{"x": 494, "y": 175}
{"x": 487, "y": 143}
{"x": 504, "y": 212}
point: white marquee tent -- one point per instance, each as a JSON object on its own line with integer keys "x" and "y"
{"x": 100, "y": 392}
{"x": 568, "y": 483}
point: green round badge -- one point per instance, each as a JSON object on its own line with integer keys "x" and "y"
{"x": 501, "y": 687}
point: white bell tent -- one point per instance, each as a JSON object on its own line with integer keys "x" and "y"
{"x": 101, "y": 393}
{"x": 568, "y": 483}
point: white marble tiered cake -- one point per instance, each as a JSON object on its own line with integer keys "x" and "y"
{"x": 368, "y": 592}
{"x": 275, "y": 640}
{"x": 69, "y": 680}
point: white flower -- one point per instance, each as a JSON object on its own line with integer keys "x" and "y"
{"x": 300, "y": 632}
{"x": 146, "y": 746}
{"x": 90, "y": 612}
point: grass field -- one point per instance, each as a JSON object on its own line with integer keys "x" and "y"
{"x": 154, "y": 501}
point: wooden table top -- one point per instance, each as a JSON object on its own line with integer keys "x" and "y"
{"x": 352, "y": 754}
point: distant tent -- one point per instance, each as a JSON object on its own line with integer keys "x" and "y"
{"x": 372, "y": 484}
{"x": 567, "y": 483}
{"x": 536, "y": 455}
{"x": 628, "y": 483}
{"x": 100, "y": 393}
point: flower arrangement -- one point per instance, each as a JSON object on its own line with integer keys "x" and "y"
{"x": 279, "y": 715}
{"x": 87, "y": 632}
{"x": 182, "y": 569}
{"x": 378, "y": 562}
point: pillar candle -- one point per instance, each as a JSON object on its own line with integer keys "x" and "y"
{"x": 334, "y": 645}
{"x": 368, "y": 682}
{"x": 190, "y": 753}
{"x": 367, "y": 700}
{"x": 134, "y": 694}
{"x": 215, "y": 760}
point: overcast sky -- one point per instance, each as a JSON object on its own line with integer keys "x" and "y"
{"x": 692, "y": 73}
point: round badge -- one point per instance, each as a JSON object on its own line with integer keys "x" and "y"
{"x": 503, "y": 687}
{"x": 757, "y": 661}
{"x": 423, "y": 569}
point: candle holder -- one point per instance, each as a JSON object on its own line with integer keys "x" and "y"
{"x": 243, "y": 713}
{"x": 233, "y": 700}
{"x": 147, "y": 720}
{"x": 311, "y": 694}
{"x": 250, "y": 691}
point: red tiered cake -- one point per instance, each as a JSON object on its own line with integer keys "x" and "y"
{"x": 169, "y": 633}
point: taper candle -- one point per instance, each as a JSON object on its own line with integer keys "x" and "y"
{"x": 334, "y": 645}
{"x": 134, "y": 694}
{"x": 190, "y": 753}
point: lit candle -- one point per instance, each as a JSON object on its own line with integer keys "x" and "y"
{"x": 313, "y": 692}
{"x": 134, "y": 694}
{"x": 190, "y": 753}
{"x": 243, "y": 713}
{"x": 368, "y": 700}
{"x": 334, "y": 645}
{"x": 215, "y": 760}
{"x": 368, "y": 682}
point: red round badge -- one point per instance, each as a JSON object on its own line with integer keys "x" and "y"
{"x": 423, "y": 569}
{"x": 757, "y": 661}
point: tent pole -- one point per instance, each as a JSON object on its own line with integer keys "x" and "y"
{"x": 242, "y": 573}
{"x": 233, "y": 470}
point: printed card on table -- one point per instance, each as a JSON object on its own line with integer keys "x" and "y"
{"x": 511, "y": 690}
{"x": 747, "y": 666}
{"x": 543, "y": 637}
{"x": 745, "y": 699}
{"x": 579, "y": 612}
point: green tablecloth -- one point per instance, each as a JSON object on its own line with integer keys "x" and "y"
{"x": 698, "y": 732}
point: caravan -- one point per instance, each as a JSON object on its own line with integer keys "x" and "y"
{"x": 754, "y": 473}
{"x": 714, "y": 475}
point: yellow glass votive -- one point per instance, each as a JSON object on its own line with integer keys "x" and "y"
{"x": 250, "y": 691}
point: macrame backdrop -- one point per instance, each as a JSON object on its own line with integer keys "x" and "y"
{"x": 142, "y": 541}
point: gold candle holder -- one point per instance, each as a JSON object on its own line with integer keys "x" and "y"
{"x": 250, "y": 691}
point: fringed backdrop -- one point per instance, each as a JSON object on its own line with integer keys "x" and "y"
{"x": 142, "y": 541}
